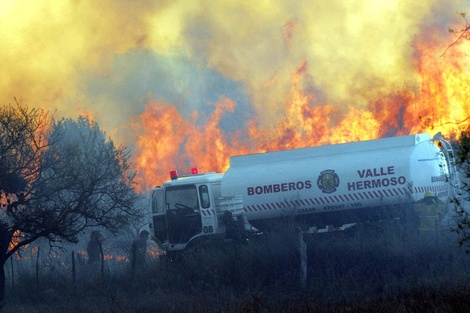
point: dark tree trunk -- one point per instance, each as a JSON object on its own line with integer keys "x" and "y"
{"x": 5, "y": 238}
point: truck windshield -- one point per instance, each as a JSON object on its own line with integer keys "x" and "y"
{"x": 182, "y": 197}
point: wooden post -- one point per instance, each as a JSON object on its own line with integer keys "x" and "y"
{"x": 303, "y": 258}
{"x": 37, "y": 268}
{"x": 12, "y": 274}
{"x": 74, "y": 273}
{"x": 102, "y": 261}
{"x": 133, "y": 261}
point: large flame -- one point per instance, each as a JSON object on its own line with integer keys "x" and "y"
{"x": 438, "y": 102}
{"x": 189, "y": 84}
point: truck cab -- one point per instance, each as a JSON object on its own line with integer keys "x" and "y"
{"x": 188, "y": 208}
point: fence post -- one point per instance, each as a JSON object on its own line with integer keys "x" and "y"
{"x": 74, "y": 272}
{"x": 37, "y": 268}
{"x": 12, "y": 274}
{"x": 303, "y": 258}
{"x": 102, "y": 261}
{"x": 133, "y": 261}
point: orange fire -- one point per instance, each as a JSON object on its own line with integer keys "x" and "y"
{"x": 438, "y": 102}
{"x": 308, "y": 73}
{"x": 169, "y": 141}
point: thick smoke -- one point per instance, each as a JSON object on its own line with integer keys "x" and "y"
{"x": 111, "y": 59}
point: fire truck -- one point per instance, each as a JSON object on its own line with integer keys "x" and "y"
{"x": 322, "y": 187}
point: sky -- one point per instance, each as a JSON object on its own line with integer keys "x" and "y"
{"x": 190, "y": 83}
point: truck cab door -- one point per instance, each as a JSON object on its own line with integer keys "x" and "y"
{"x": 159, "y": 220}
{"x": 183, "y": 213}
{"x": 208, "y": 215}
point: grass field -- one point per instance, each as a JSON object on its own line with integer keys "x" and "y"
{"x": 379, "y": 270}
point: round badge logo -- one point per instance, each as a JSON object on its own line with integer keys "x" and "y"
{"x": 328, "y": 181}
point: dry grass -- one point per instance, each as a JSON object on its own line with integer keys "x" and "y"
{"x": 384, "y": 270}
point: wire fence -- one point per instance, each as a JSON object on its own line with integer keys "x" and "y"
{"x": 72, "y": 263}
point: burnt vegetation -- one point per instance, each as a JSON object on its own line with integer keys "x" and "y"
{"x": 385, "y": 269}
{"x": 462, "y": 203}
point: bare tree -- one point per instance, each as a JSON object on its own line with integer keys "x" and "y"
{"x": 462, "y": 203}
{"x": 462, "y": 33}
{"x": 23, "y": 143}
{"x": 463, "y": 145}
{"x": 58, "y": 178}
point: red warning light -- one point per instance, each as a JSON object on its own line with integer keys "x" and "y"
{"x": 194, "y": 171}
{"x": 173, "y": 175}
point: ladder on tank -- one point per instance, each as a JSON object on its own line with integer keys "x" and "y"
{"x": 454, "y": 176}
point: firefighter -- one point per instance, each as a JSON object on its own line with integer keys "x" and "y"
{"x": 430, "y": 211}
{"x": 139, "y": 250}
{"x": 94, "y": 247}
{"x": 230, "y": 225}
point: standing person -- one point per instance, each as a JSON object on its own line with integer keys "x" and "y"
{"x": 430, "y": 211}
{"x": 94, "y": 248}
{"x": 139, "y": 250}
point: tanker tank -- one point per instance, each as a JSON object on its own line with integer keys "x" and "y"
{"x": 339, "y": 183}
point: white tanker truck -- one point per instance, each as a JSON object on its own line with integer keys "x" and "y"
{"x": 319, "y": 186}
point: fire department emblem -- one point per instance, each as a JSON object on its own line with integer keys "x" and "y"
{"x": 328, "y": 181}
